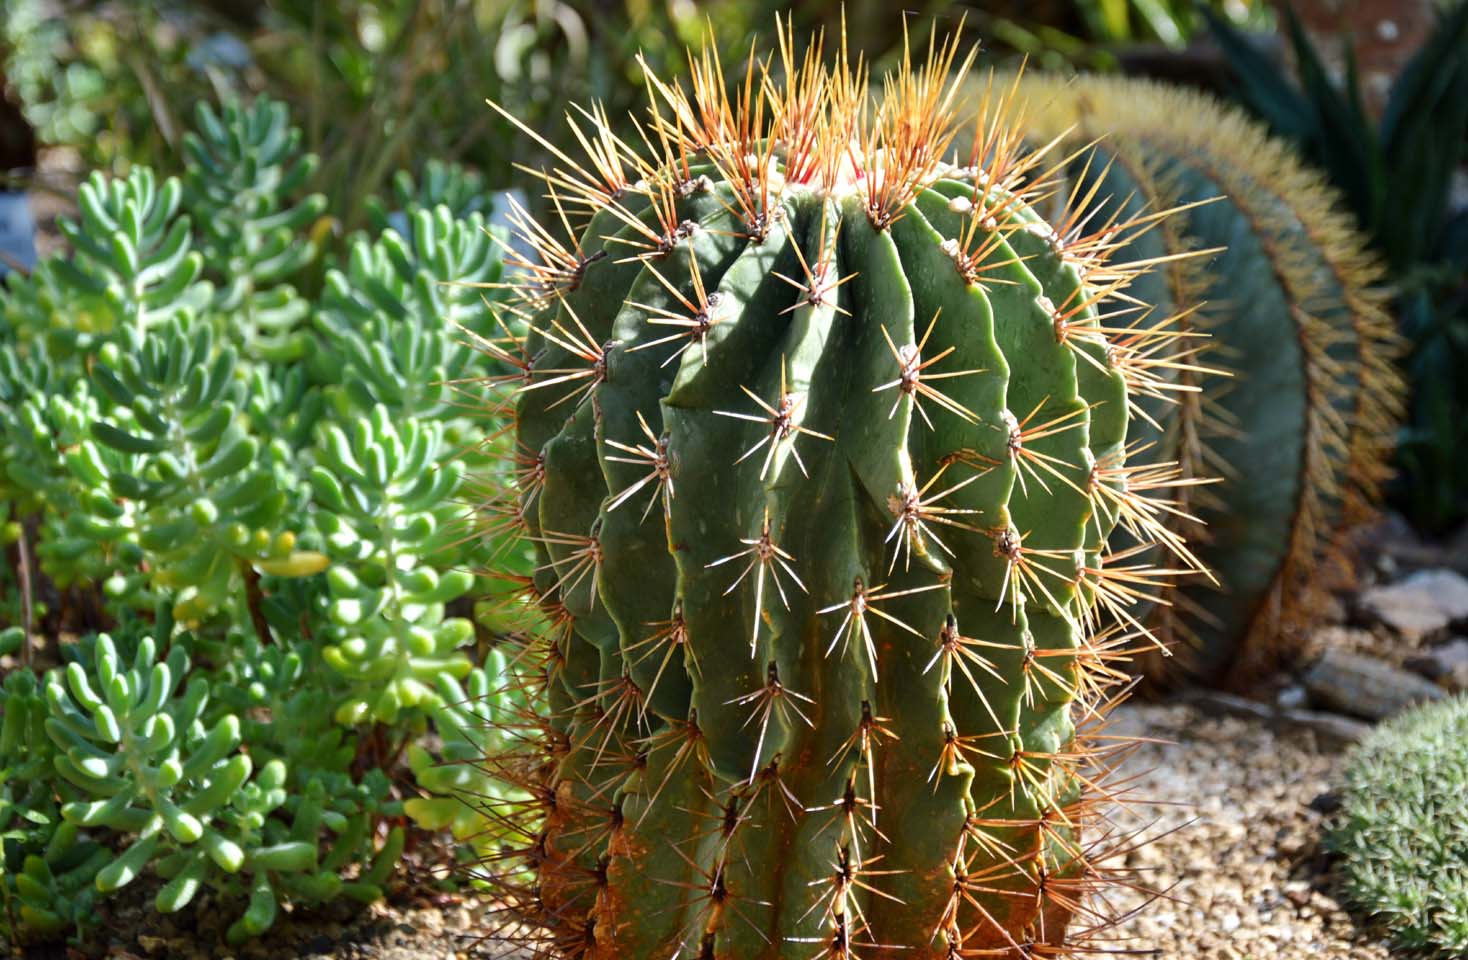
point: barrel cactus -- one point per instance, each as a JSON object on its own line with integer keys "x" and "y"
{"x": 1303, "y": 395}
{"x": 820, "y": 439}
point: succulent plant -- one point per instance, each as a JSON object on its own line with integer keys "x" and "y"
{"x": 821, "y": 439}
{"x": 245, "y": 166}
{"x": 134, "y": 265}
{"x": 134, "y": 743}
{"x": 46, "y": 866}
{"x": 461, "y": 778}
{"x": 384, "y": 503}
{"x": 1303, "y": 396}
{"x": 1403, "y": 848}
{"x": 448, "y": 185}
{"x": 255, "y": 479}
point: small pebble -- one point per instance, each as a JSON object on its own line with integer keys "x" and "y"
{"x": 1246, "y": 878}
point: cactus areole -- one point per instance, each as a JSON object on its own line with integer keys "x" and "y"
{"x": 821, "y": 435}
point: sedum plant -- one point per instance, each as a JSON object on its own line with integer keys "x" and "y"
{"x": 47, "y": 867}
{"x": 462, "y": 774}
{"x": 822, "y": 433}
{"x": 242, "y": 459}
{"x": 388, "y": 636}
{"x": 1304, "y": 397}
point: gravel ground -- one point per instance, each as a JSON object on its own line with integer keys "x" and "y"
{"x": 1245, "y": 877}
{"x": 399, "y": 929}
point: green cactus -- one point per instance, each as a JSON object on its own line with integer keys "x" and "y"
{"x": 814, "y": 427}
{"x": 1301, "y": 431}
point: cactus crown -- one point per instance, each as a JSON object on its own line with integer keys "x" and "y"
{"x": 821, "y": 434}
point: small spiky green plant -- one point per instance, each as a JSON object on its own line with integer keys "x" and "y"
{"x": 822, "y": 432}
{"x": 1400, "y": 833}
{"x": 1300, "y": 427}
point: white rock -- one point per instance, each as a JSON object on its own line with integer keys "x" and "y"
{"x": 1424, "y": 603}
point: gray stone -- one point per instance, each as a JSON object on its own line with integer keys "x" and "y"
{"x": 1217, "y": 703}
{"x": 1365, "y": 687}
{"x": 1425, "y": 603}
{"x": 1437, "y": 663}
{"x": 1330, "y": 727}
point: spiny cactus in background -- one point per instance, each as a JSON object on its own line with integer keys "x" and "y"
{"x": 1301, "y": 431}
{"x": 821, "y": 438}
{"x": 1400, "y": 834}
{"x": 1398, "y": 173}
{"x": 248, "y": 497}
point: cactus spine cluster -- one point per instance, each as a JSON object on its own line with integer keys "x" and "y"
{"x": 821, "y": 434}
{"x": 1301, "y": 430}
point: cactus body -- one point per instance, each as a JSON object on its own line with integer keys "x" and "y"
{"x": 1301, "y": 430}
{"x": 812, "y": 431}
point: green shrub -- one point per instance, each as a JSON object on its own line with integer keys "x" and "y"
{"x": 236, "y": 450}
{"x": 1401, "y": 833}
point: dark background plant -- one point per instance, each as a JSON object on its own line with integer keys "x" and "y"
{"x": 1397, "y": 172}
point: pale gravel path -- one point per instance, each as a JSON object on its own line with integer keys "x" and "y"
{"x": 1248, "y": 870}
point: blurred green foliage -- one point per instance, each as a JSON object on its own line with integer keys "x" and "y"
{"x": 1085, "y": 34}
{"x": 1397, "y": 173}
{"x": 382, "y": 84}
{"x": 379, "y": 85}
